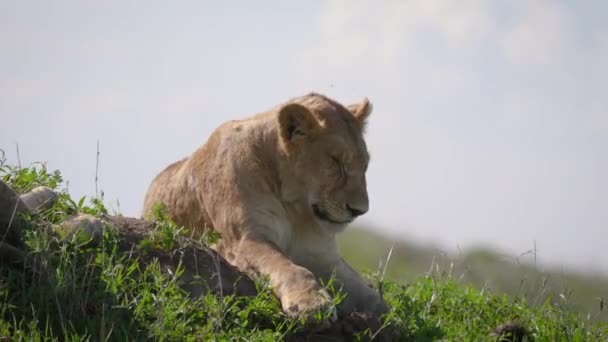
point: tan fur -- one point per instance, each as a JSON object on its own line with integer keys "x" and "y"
{"x": 273, "y": 187}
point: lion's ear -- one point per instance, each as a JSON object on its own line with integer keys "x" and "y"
{"x": 296, "y": 122}
{"x": 361, "y": 111}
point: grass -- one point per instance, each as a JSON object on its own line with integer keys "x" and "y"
{"x": 72, "y": 290}
{"x": 484, "y": 269}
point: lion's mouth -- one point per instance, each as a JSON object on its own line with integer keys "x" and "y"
{"x": 323, "y": 215}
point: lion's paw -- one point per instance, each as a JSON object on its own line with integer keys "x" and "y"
{"x": 312, "y": 304}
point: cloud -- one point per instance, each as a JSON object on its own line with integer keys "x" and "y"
{"x": 375, "y": 39}
{"x": 539, "y": 36}
{"x": 602, "y": 43}
{"x": 599, "y": 117}
{"x": 599, "y": 107}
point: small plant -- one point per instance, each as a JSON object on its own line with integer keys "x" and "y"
{"x": 25, "y": 179}
{"x": 165, "y": 234}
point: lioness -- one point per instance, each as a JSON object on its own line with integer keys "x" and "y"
{"x": 278, "y": 187}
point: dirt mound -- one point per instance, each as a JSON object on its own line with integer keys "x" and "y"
{"x": 204, "y": 269}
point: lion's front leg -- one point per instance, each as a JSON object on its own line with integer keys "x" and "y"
{"x": 296, "y": 287}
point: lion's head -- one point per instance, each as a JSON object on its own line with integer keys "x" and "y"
{"x": 327, "y": 157}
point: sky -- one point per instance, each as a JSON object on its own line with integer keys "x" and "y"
{"x": 490, "y": 122}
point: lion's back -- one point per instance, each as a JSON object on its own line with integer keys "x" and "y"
{"x": 157, "y": 190}
{"x": 182, "y": 185}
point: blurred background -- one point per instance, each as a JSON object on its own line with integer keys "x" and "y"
{"x": 489, "y": 136}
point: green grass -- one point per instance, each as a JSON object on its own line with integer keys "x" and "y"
{"x": 76, "y": 291}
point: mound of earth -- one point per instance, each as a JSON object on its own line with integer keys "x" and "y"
{"x": 204, "y": 269}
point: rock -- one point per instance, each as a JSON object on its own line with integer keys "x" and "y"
{"x": 88, "y": 226}
{"x": 12, "y": 255}
{"x": 11, "y": 208}
{"x": 41, "y": 198}
{"x": 511, "y": 331}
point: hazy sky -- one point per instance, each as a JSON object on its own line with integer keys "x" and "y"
{"x": 490, "y": 120}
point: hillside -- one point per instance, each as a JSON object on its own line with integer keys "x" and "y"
{"x": 134, "y": 282}
{"x": 582, "y": 292}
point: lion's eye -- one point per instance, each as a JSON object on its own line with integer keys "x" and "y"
{"x": 340, "y": 166}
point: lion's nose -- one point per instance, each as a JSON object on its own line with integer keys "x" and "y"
{"x": 355, "y": 211}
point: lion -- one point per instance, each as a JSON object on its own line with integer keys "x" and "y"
{"x": 278, "y": 187}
